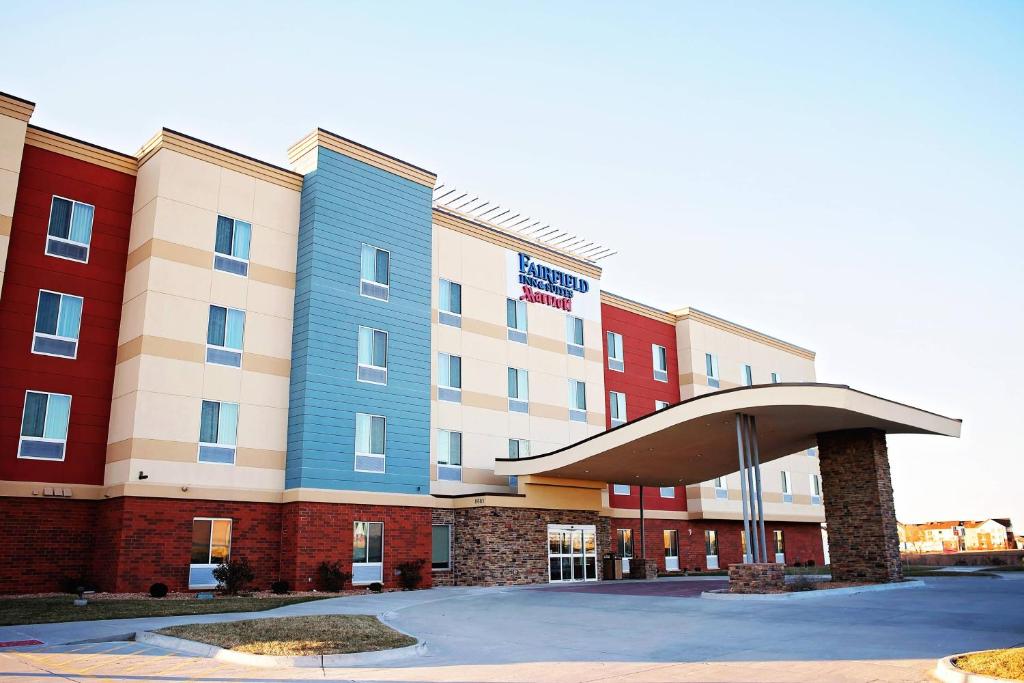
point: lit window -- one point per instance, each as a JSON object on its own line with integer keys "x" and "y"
{"x": 374, "y": 272}
{"x": 577, "y": 401}
{"x": 58, "y": 319}
{"x": 515, "y": 317}
{"x": 660, "y": 360}
{"x": 615, "y": 361}
{"x": 70, "y": 230}
{"x": 441, "y": 547}
{"x": 667, "y": 491}
{"x": 372, "y": 356}
{"x": 625, "y": 542}
{"x": 224, "y": 335}
{"x": 218, "y": 431}
{"x": 449, "y": 377}
{"x": 449, "y": 455}
{"x": 574, "y": 335}
{"x": 450, "y": 303}
{"x": 711, "y": 367}
{"x": 44, "y": 426}
{"x": 370, "y": 438}
{"x": 518, "y": 390}
{"x": 746, "y": 375}
{"x": 710, "y": 542}
{"x": 661, "y": 405}
{"x": 620, "y": 489}
{"x": 617, "y": 407}
{"x": 780, "y": 545}
{"x": 367, "y": 552}
{"x": 231, "y": 249}
{"x": 211, "y": 547}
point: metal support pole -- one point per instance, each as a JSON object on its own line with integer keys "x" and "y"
{"x": 643, "y": 529}
{"x": 757, "y": 554}
{"x": 740, "y": 448}
{"x": 757, "y": 477}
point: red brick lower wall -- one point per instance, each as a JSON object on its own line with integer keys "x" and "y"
{"x": 314, "y": 532}
{"x": 802, "y": 540}
{"x": 44, "y": 541}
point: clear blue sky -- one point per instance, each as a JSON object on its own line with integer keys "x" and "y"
{"x": 849, "y": 177}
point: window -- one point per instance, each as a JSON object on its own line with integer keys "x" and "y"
{"x": 211, "y": 546}
{"x": 720, "y": 490}
{"x": 711, "y": 367}
{"x": 620, "y": 489}
{"x": 617, "y": 407}
{"x": 518, "y": 390}
{"x": 661, "y": 405}
{"x": 787, "y": 487}
{"x": 615, "y": 361}
{"x": 660, "y": 359}
{"x": 58, "y": 319}
{"x": 370, "y": 437}
{"x": 667, "y": 491}
{"x": 780, "y": 544}
{"x": 441, "y": 547}
{"x": 815, "y": 489}
{"x": 218, "y": 429}
{"x": 372, "y": 356}
{"x": 574, "y": 335}
{"x": 44, "y": 426}
{"x": 743, "y": 546}
{"x": 70, "y": 230}
{"x": 746, "y": 375}
{"x": 231, "y": 249}
{"x": 224, "y": 335}
{"x": 577, "y": 401}
{"x": 710, "y": 542}
{"x": 449, "y": 305}
{"x": 367, "y": 552}
{"x": 515, "y": 316}
{"x": 374, "y": 272}
{"x": 449, "y": 377}
{"x": 625, "y": 544}
{"x": 518, "y": 448}
{"x": 775, "y": 378}
{"x": 449, "y": 455}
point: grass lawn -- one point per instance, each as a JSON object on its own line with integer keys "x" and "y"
{"x": 294, "y": 636}
{"x": 47, "y": 610}
{"x": 998, "y": 663}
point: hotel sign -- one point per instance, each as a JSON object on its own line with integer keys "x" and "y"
{"x": 537, "y": 282}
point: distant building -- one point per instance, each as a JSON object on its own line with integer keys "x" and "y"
{"x": 957, "y": 536}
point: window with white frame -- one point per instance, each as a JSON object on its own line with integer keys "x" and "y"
{"x": 218, "y": 432}
{"x": 449, "y": 377}
{"x": 775, "y": 378}
{"x": 515, "y": 318}
{"x": 231, "y": 246}
{"x": 780, "y": 545}
{"x": 518, "y": 390}
{"x": 58, "y": 320}
{"x": 574, "y": 335}
{"x": 224, "y": 336}
{"x": 617, "y": 407}
{"x": 659, "y": 358}
{"x": 720, "y": 490}
{"x": 667, "y": 491}
{"x": 746, "y": 375}
{"x": 44, "y": 426}
{"x": 367, "y": 553}
{"x": 69, "y": 232}
{"x": 625, "y": 542}
{"x": 449, "y": 455}
{"x": 370, "y": 442}
{"x": 441, "y": 547}
{"x": 615, "y": 358}
{"x": 518, "y": 448}
{"x": 815, "y": 489}
{"x": 661, "y": 405}
{"x": 787, "y": 487}
{"x": 211, "y": 547}
{"x": 620, "y": 489}
{"x": 577, "y": 401}
{"x": 711, "y": 368}
{"x": 449, "y": 305}
{"x": 372, "y": 356}
{"x": 374, "y": 272}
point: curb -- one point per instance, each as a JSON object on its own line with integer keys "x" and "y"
{"x": 947, "y": 672}
{"x": 812, "y": 595}
{"x": 275, "y": 662}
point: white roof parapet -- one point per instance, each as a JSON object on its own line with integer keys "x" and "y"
{"x": 475, "y": 208}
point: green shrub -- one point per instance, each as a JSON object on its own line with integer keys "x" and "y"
{"x": 801, "y": 584}
{"x": 411, "y": 574}
{"x": 376, "y": 587}
{"x": 158, "y": 590}
{"x": 233, "y": 575}
{"x": 280, "y": 587}
{"x": 331, "y": 577}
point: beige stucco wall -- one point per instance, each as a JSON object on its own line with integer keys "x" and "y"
{"x": 12, "y": 145}
{"x": 161, "y": 377}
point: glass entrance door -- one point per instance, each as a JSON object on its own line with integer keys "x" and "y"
{"x": 572, "y": 552}
{"x": 671, "y": 550}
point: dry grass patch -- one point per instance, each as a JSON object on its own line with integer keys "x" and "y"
{"x": 1007, "y": 663}
{"x": 296, "y": 636}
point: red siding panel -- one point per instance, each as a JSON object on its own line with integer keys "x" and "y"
{"x": 100, "y": 282}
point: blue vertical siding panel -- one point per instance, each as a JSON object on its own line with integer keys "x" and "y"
{"x": 344, "y": 204}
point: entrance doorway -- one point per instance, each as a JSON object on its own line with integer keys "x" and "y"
{"x": 671, "y": 550}
{"x": 572, "y": 552}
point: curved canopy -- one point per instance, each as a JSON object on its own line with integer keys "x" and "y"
{"x": 695, "y": 440}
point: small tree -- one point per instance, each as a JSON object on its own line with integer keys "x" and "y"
{"x": 411, "y": 574}
{"x": 332, "y": 578}
{"x": 233, "y": 575}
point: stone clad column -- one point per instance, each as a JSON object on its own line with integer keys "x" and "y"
{"x": 859, "y": 510}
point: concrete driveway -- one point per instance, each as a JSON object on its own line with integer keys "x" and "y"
{"x": 551, "y": 634}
